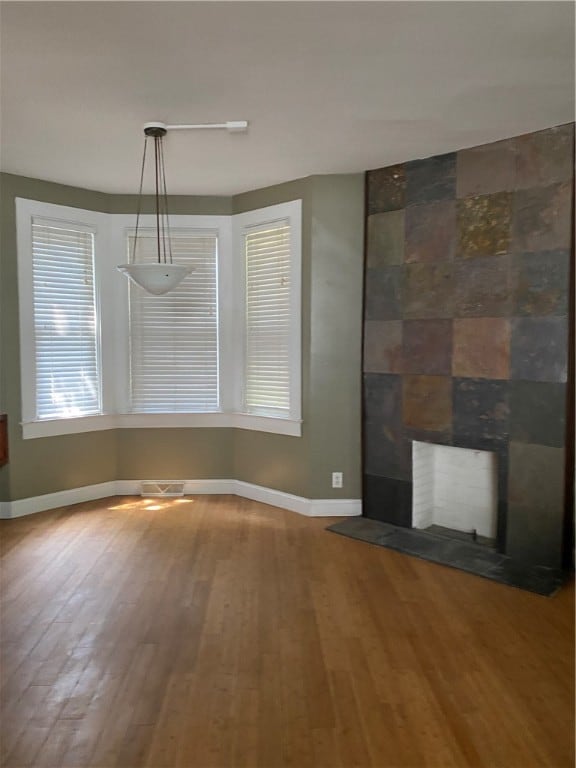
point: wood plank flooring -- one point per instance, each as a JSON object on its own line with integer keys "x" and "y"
{"x": 216, "y": 632}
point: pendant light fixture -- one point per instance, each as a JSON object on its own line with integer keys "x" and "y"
{"x": 163, "y": 275}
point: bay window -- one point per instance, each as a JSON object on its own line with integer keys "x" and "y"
{"x": 222, "y": 349}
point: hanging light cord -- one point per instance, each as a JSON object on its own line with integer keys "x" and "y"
{"x": 139, "y": 209}
{"x": 160, "y": 245}
{"x": 163, "y": 240}
{"x": 165, "y": 198}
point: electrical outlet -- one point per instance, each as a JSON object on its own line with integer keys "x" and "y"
{"x": 337, "y": 479}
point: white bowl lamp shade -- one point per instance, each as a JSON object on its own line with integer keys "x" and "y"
{"x": 156, "y": 278}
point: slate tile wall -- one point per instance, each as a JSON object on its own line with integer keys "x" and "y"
{"x": 466, "y": 327}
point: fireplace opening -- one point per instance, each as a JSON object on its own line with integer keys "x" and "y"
{"x": 455, "y": 491}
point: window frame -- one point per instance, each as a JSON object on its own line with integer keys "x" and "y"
{"x": 249, "y": 222}
{"x": 26, "y": 212}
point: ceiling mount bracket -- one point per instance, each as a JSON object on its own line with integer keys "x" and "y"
{"x": 156, "y": 128}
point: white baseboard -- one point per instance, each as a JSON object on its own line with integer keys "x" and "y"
{"x": 21, "y": 507}
{"x": 300, "y": 504}
{"x": 270, "y": 496}
{"x": 335, "y": 507}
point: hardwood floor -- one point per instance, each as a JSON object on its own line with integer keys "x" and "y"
{"x": 219, "y": 632}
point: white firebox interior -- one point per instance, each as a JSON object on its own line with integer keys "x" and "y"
{"x": 454, "y": 487}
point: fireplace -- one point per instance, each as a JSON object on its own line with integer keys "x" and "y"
{"x": 466, "y": 337}
{"x": 455, "y": 489}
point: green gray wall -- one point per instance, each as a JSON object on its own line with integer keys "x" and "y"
{"x": 331, "y": 342}
{"x": 332, "y": 234}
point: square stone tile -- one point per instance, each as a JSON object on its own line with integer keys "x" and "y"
{"x": 382, "y": 402}
{"x": 427, "y": 402}
{"x": 431, "y": 179}
{"x": 386, "y": 189}
{"x": 480, "y": 411}
{"x": 545, "y": 157}
{"x": 431, "y": 231}
{"x": 534, "y": 535}
{"x": 536, "y": 504}
{"x": 486, "y": 169}
{"x": 536, "y": 475}
{"x": 483, "y": 225}
{"x": 483, "y": 287}
{"x": 539, "y": 348}
{"x": 379, "y": 449}
{"x": 383, "y": 289}
{"x": 538, "y": 413}
{"x": 427, "y": 347}
{"x": 481, "y": 348}
{"x": 383, "y": 455}
{"x": 428, "y": 290}
{"x": 381, "y": 435}
{"x": 383, "y": 346}
{"x": 540, "y": 283}
{"x": 387, "y": 500}
{"x": 541, "y": 219}
{"x": 385, "y": 239}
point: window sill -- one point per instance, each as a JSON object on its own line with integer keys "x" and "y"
{"x": 54, "y": 427}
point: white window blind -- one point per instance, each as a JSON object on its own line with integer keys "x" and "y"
{"x": 268, "y": 320}
{"x": 174, "y": 337}
{"x": 65, "y": 320}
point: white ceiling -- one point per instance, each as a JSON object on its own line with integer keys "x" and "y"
{"x": 328, "y": 87}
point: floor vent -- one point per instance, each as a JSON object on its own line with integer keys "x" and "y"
{"x": 162, "y": 488}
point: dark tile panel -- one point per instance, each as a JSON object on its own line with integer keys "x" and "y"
{"x": 385, "y": 239}
{"x": 382, "y": 425}
{"x": 383, "y": 346}
{"x": 428, "y": 291}
{"x": 535, "y": 505}
{"x": 539, "y": 348}
{"x": 386, "y": 189}
{"x": 382, "y": 451}
{"x": 481, "y": 348}
{"x": 534, "y": 535}
{"x": 387, "y": 500}
{"x": 386, "y": 453}
{"x": 536, "y": 475}
{"x": 541, "y": 219}
{"x": 480, "y": 410}
{"x": 427, "y": 402}
{"x": 431, "y": 179}
{"x": 483, "y": 225}
{"x": 431, "y": 231}
{"x": 383, "y": 289}
{"x": 545, "y": 157}
{"x": 382, "y": 398}
{"x": 538, "y": 412}
{"x": 486, "y": 169}
{"x": 540, "y": 283}
{"x": 483, "y": 287}
{"x": 427, "y": 347}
